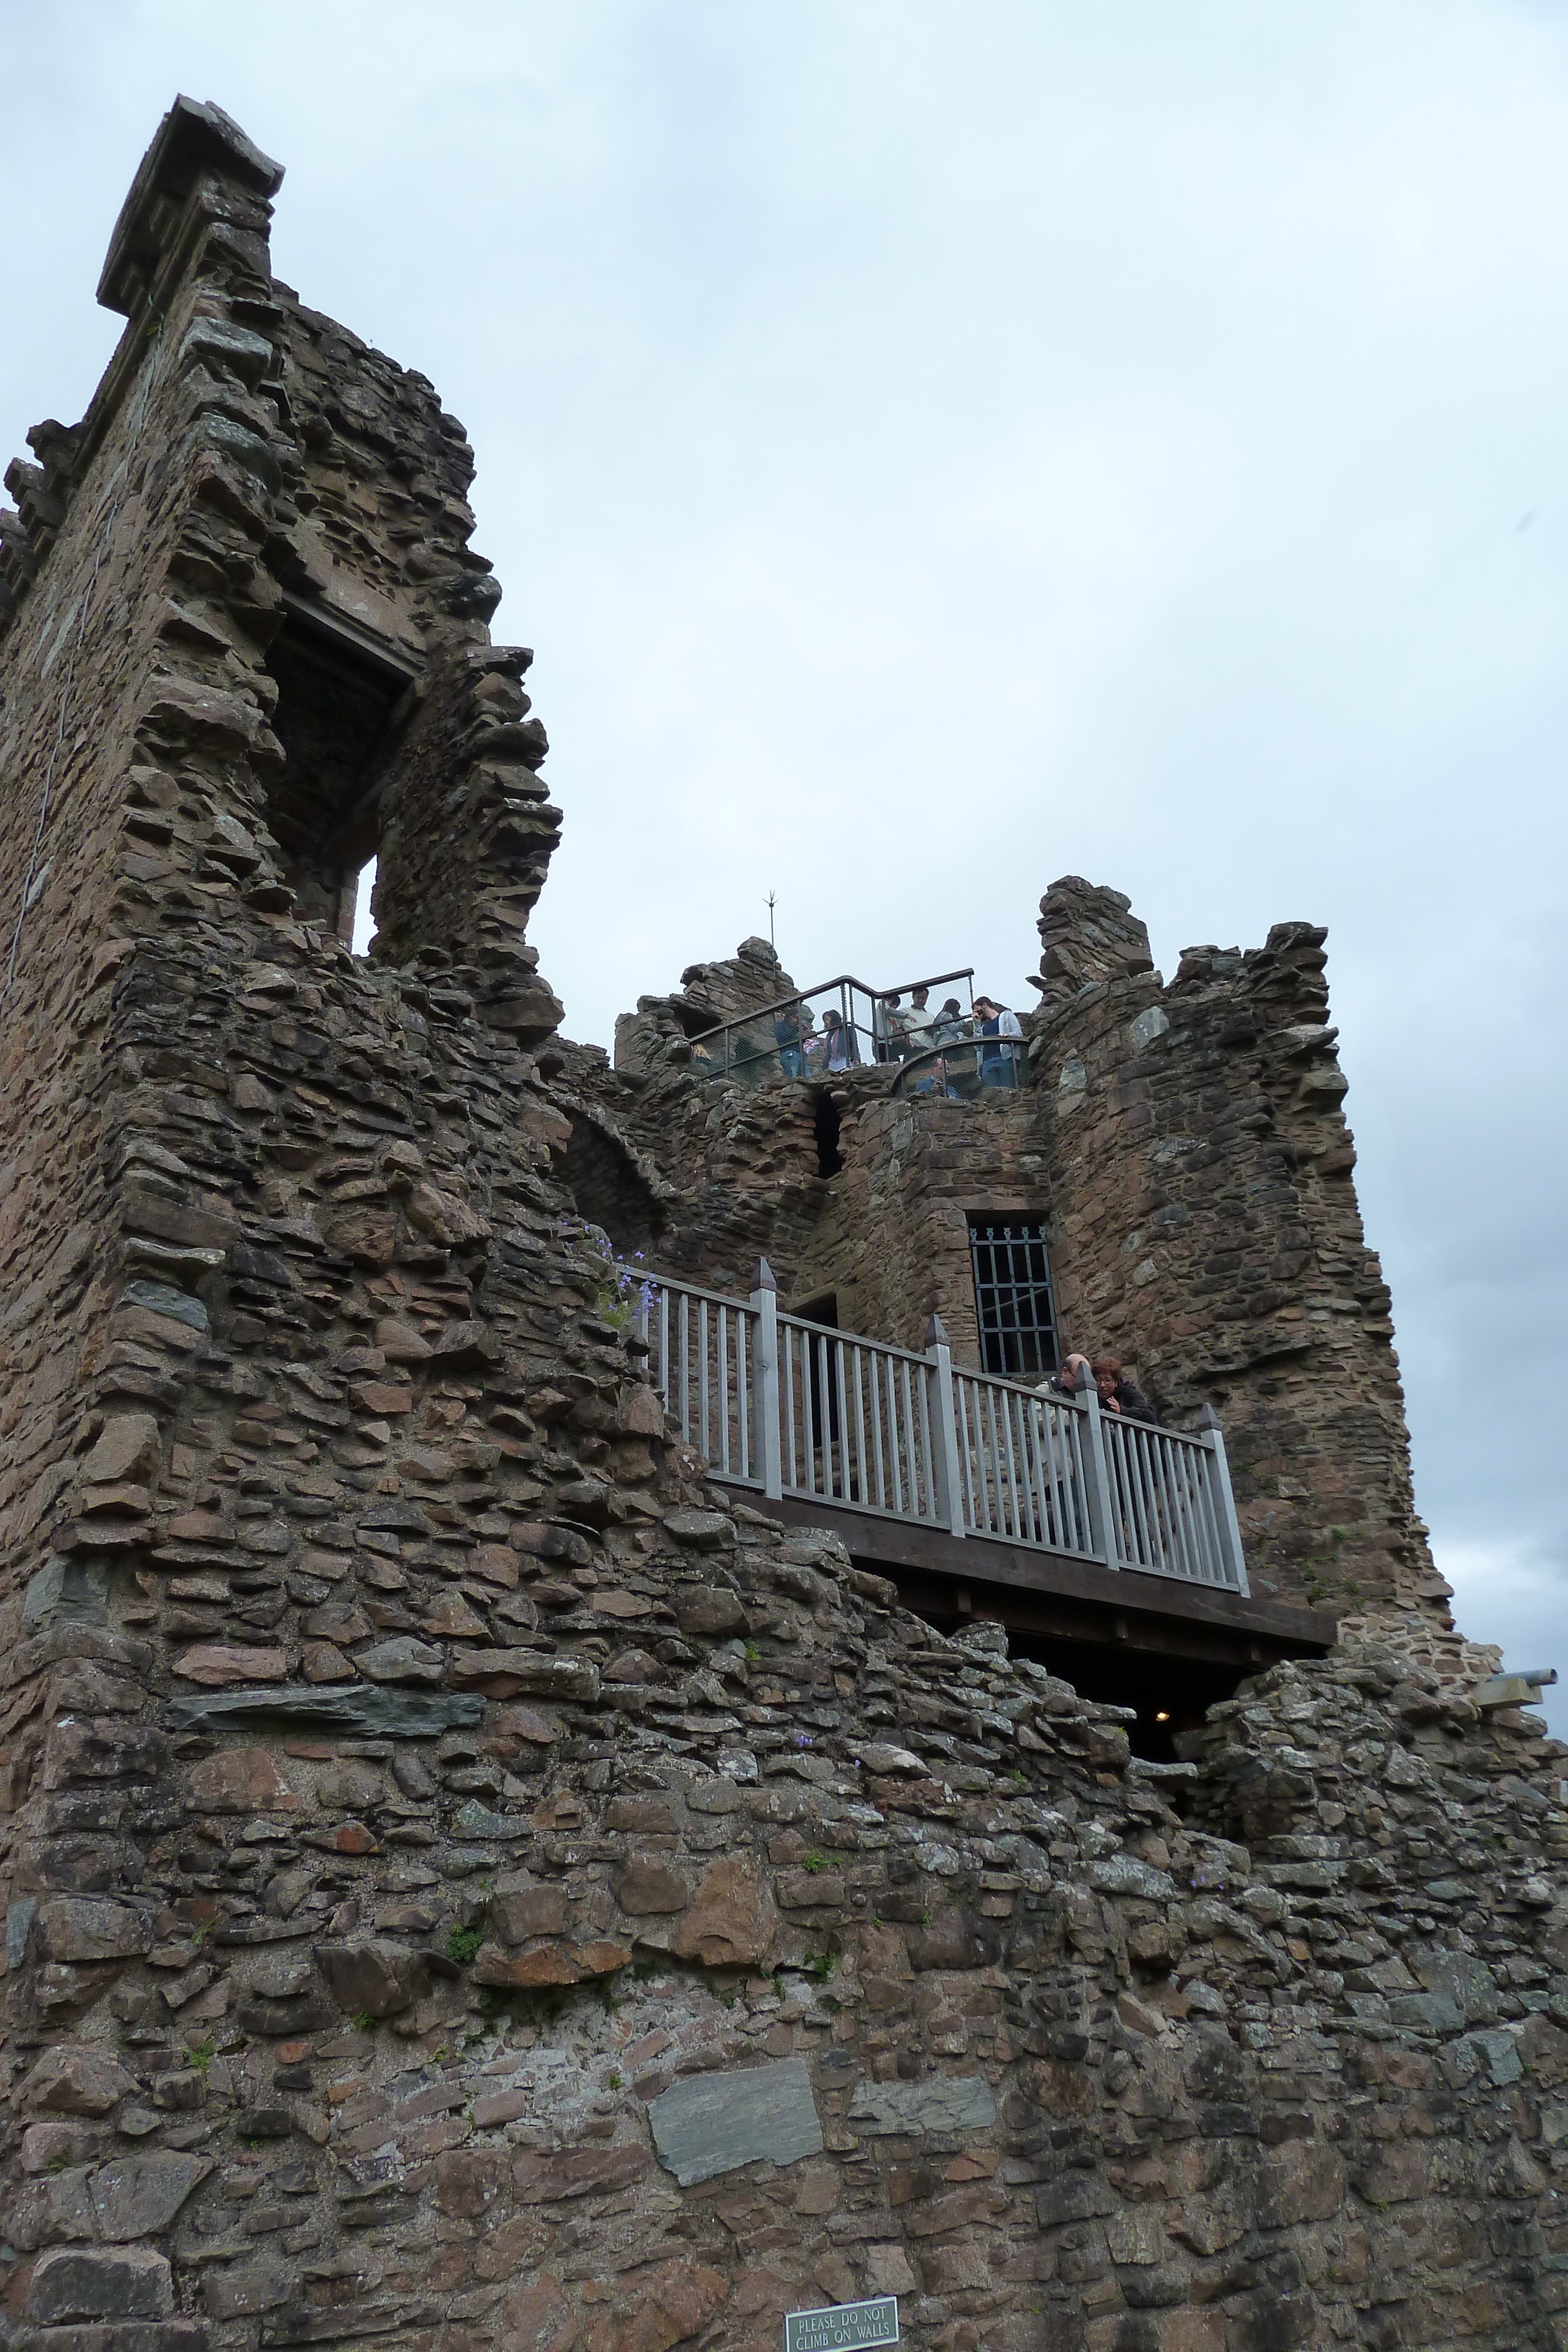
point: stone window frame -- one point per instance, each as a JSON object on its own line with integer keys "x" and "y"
{"x": 331, "y": 634}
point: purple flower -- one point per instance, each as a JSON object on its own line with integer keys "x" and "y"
{"x": 802, "y": 1739}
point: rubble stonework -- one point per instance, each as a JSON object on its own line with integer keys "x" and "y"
{"x": 469, "y": 1881}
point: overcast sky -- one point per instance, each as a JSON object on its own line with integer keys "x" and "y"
{"x": 932, "y": 450}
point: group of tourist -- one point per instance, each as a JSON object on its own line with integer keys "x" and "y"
{"x": 904, "y": 1033}
{"x": 915, "y": 1033}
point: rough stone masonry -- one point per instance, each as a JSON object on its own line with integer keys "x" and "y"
{"x": 467, "y": 1881}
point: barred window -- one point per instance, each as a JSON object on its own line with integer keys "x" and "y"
{"x": 1013, "y": 1298}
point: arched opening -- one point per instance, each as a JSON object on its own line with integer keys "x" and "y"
{"x": 608, "y": 1190}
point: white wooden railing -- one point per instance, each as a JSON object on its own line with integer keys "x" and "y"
{"x": 787, "y": 1407}
{"x": 704, "y": 1352}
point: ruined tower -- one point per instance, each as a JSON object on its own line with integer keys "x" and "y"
{"x": 471, "y": 1876}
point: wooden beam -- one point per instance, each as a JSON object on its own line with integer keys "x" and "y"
{"x": 1058, "y": 1596}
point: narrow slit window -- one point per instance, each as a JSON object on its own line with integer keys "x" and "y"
{"x": 1013, "y": 1304}
{"x": 356, "y": 907}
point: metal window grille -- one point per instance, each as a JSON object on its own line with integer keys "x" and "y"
{"x": 1013, "y": 1298}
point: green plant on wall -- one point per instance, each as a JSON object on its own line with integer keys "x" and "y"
{"x": 624, "y": 1287}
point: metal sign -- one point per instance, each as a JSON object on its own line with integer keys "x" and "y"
{"x": 842, "y": 2326}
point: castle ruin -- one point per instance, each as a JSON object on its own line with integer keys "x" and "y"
{"x": 478, "y": 1870}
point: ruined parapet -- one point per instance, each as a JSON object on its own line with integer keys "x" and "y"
{"x": 469, "y": 831}
{"x": 1087, "y": 933}
{"x": 705, "y": 1177}
{"x": 214, "y": 696}
{"x": 1200, "y": 1173}
{"x": 709, "y": 995}
{"x": 737, "y": 985}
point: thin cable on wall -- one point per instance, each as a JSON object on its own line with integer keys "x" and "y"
{"x": 29, "y": 893}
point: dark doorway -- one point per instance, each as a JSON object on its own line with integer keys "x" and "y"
{"x": 1163, "y": 1673}
{"x": 825, "y": 1127}
{"x": 337, "y": 698}
{"x": 1171, "y": 1694}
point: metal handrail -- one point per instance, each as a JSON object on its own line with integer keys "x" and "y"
{"x": 883, "y": 1347}
{"x": 777, "y": 1403}
{"x": 840, "y": 979}
{"x": 780, "y": 1037}
{"x": 1012, "y": 1050}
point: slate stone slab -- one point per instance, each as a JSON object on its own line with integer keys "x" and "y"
{"x": 138, "y": 2195}
{"x": 117, "y": 2283}
{"x": 943, "y": 2102}
{"x": 1500, "y": 2051}
{"x": 475, "y": 1820}
{"x": 382, "y": 1713}
{"x": 1425, "y": 2012}
{"x": 1466, "y": 1982}
{"x": 712, "y": 2122}
{"x": 1123, "y": 1874}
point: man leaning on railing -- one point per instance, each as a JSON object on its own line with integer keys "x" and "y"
{"x": 888, "y": 1027}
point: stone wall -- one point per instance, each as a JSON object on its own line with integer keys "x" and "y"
{"x": 465, "y": 1883}
{"x": 1200, "y": 1174}
{"x": 751, "y": 1946}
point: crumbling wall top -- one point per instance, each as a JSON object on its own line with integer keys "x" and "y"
{"x": 193, "y": 138}
{"x": 1087, "y": 933}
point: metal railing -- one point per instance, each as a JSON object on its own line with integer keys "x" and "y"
{"x": 963, "y": 1069}
{"x": 839, "y": 1024}
{"x": 789, "y": 1407}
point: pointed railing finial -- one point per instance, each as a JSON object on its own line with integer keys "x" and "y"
{"x": 762, "y": 1277}
{"x": 936, "y": 1335}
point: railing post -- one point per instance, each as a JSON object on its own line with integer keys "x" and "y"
{"x": 1096, "y": 1471}
{"x": 949, "y": 1480}
{"x": 653, "y": 1297}
{"x": 1230, "y": 1527}
{"x": 765, "y": 1378}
